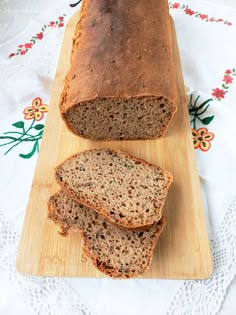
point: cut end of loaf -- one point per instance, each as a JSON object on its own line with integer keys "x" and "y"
{"x": 115, "y": 252}
{"x": 134, "y": 118}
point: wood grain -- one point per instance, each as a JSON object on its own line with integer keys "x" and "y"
{"x": 183, "y": 250}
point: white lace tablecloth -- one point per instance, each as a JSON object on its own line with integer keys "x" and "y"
{"x": 30, "y": 38}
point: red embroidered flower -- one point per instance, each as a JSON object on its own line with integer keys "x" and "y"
{"x": 28, "y": 45}
{"x": 23, "y": 52}
{"x": 39, "y": 35}
{"x": 202, "y": 138}
{"x": 228, "y": 71}
{"x": 229, "y": 23}
{"x": 189, "y": 11}
{"x": 61, "y": 18}
{"x": 51, "y": 24}
{"x": 203, "y": 16}
{"x": 220, "y": 20}
{"x": 211, "y": 19}
{"x": 175, "y": 5}
{"x": 218, "y": 93}
{"x": 20, "y": 46}
{"x": 60, "y": 24}
{"x": 11, "y": 55}
{"x": 227, "y": 79}
{"x": 36, "y": 111}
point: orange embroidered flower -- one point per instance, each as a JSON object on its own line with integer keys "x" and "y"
{"x": 36, "y": 111}
{"x": 202, "y": 138}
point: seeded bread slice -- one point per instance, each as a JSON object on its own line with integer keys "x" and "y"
{"x": 126, "y": 190}
{"x": 115, "y": 252}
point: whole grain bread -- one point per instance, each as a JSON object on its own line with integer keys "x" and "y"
{"x": 115, "y": 252}
{"x": 126, "y": 190}
{"x": 122, "y": 79}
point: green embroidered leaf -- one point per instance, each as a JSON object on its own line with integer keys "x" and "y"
{"x": 19, "y": 124}
{"x": 225, "y": 86}
{"x": 195, "y": 102}
{"x": 204, "y": 103}
{"x": 29, "y": 155}
{"x": 38, "y": 127}
{"x": 207, "y": 120}
{"x": 204, "y": 110}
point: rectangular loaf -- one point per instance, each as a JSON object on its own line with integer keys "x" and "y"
{"x": 122, "y": 79}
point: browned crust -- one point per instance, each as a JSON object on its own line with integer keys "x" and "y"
{"x": 102, "y": 212}
{"x": 73, "y": 96}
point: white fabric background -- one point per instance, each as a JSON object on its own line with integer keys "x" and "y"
{"x": 207, "y": 50}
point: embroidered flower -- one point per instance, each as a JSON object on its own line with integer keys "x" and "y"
{"x": 11, "y": 55}
{"x": 60, "y": 24}
{"x": 52, "y": 24}
{"x": 175, "y": 5}
{"x": 203, "y": 16}
{"x": 227, "y": 79}
{"x": 36, "y": 111}
{"x": 28, "y": 45}
{"x": 218, "y": 93}
{"x": 229, "y": 23}
{"x": 220, "y": 20}
{"x": 61, "y": 18}
{"x": 211, "y": 19}
{"x": 39, "y": 35}
{"x": 228, "y": 71}
{"x": 202, "y": 138}
{"x": 189, "y": 11}
{"x": 23, "y": 52}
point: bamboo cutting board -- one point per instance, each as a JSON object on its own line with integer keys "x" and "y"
{"x": 183, "y": 250}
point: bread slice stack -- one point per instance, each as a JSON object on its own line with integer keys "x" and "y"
{"x": 115, "y": 201}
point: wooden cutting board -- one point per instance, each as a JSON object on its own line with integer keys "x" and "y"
{"x": 183, "y": 250}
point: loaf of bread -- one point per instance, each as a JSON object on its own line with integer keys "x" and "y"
{"x": 122, "y": 79}
{"x": 115, "y": 252}
{"x": 126, "y": 190}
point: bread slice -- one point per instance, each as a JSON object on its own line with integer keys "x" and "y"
{"x": 115, "y": 252}
{"x": 122, "y": 80}
{"x": 126, "y": 190}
